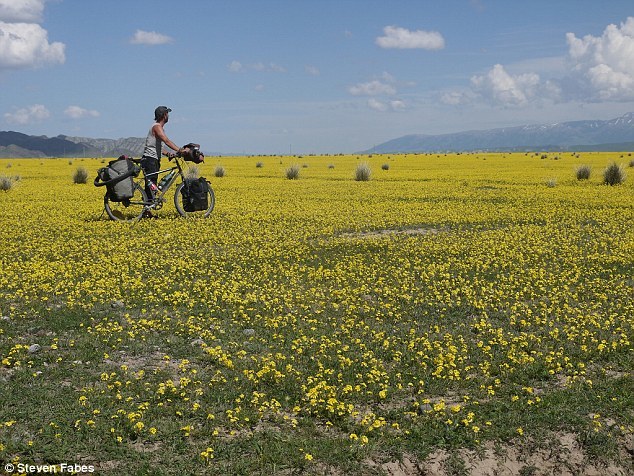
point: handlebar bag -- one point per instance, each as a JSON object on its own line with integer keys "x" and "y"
{"x": 193, "y": 153}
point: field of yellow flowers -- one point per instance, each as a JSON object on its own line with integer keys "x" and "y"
{"x": 322, "y": 325}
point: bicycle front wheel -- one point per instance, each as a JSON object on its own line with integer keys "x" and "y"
{"x": 127, "y": 210}
{"x": 183, "y": 208}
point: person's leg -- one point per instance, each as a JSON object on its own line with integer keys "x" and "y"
{"x": 150, "y": 166}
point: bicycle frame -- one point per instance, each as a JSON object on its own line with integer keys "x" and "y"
{"x": 159, "y": 196}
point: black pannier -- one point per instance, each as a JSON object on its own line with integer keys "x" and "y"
{"x": 118, "y": 178}
{"x": 195, "y": 193}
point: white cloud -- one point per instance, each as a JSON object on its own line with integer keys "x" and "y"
{"x": 371, "y": 88}
{"x": 76, "y": 112}
{"x": 25, "y": 45}
{"x": 605, "y": 64}
{"x": 381, "y": 106}
{"x": 23, "y": 42}
{"x": 596, "y": 69}
{"x": 275, "y": 68}
{"x": 21, "y": 11}
{"x": 27, "y": 115}
{"x": 377, "y": 105}
{"x": 312, "y": 70}
{"x": 499, "y": 87}
{"x": 397, "y": 105}
{"x": 387, "y": 77}
{"x": 454, "y": 98}
{"x": 150, "y": 38}
{"x": 402, "y": 38}
{"x": 237, "y": 67}
{"x": 380, "y": 92}
{"x": 504, "y": 89}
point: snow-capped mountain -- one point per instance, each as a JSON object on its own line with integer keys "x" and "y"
{"x": 558, "y": 136}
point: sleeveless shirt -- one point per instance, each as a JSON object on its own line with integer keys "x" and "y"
{"x": 153, "y": 146}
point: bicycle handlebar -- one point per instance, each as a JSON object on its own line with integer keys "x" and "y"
{"x": 171, "y": 155}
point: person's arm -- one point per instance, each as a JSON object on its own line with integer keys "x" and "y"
{"x": 160, "y": 133}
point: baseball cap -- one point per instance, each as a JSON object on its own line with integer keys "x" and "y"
{"x": 160, "y": 111}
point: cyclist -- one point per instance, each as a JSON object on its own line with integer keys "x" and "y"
{"x": 151, "y": 159}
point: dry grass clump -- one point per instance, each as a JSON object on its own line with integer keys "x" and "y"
{"x": 614, "y": 174}
{"x": 292, "y": 172}
{"x": 6, "y": 183}
{"x": 220, "y": 171}
{"x": 192, "y": 172}
{"x": 583, "y": 172}
{"x": 363, "y": 172}
{"x": 80, "y": 176}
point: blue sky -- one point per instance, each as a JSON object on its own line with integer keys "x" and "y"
{"x": 307, "y": 76}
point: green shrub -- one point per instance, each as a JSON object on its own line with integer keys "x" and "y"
{"x": 259, "y": 165}
{"x": 385, "y": 166}
{"x": 583, "y": 172}
{"x": 362, "y": 173}
{"x": 292, "y": 173}
{"x": 80, "y": 176}
{"x": 613, "y": 174}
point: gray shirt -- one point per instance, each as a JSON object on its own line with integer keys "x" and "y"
{"x": 153, "y": 146}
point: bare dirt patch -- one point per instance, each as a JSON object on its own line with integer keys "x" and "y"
{"x": 407, "y": 467}
{"x": 565, "y": 457}
{"x": 146, "y": 446}
{"x": 148, "y": 362}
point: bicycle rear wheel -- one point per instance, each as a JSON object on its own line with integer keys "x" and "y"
{"x": 180, "y": 206}
{"x": 127, "y": 210}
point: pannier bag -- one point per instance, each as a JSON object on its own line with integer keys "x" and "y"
{"x": 193, "y": 154}
{"x": 195, "y": 194}
{"x": 118, "y": 178}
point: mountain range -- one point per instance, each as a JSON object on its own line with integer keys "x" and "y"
{"x": 613, "y": 135}
{"x": 16, "y": 144}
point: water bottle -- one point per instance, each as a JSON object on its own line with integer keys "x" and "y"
{"x": 166, "y": 180}
{"x": 152, "y": 186}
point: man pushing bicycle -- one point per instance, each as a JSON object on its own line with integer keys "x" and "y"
{"x": 151, "y": 159}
